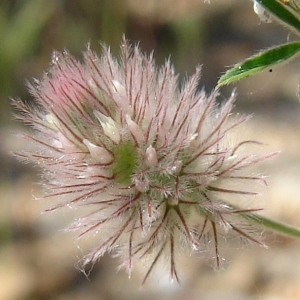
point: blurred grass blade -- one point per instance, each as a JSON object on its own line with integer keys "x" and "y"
{"x": 21, "y": 33}
{"x": 258, "y": 62}
{"x": 281, "y": 11}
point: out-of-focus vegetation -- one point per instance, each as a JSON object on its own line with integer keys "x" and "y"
{"x": 30, "y": 30}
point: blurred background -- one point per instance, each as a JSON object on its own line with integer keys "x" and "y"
{"x": 37, "y": 259}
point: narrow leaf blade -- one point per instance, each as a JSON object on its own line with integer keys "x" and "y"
{"x": 281, "y": 11}
{"x": 259, "y": 62}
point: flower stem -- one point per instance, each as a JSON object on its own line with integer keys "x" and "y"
{"x": 279, "y": 227}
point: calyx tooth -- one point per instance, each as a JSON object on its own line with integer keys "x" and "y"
{"x": 109, "y": 126}
{"x": 98, "y": 153}
{"x": 135, "y": 129}
{"x": 151, "y": 157}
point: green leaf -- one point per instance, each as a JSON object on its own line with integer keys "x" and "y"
{"x": 281, "y": 11}
{"x": 259, "y": 62}
{"x": 276, "y": 226}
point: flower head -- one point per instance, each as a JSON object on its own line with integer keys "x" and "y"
{"x": 154, "y": 164}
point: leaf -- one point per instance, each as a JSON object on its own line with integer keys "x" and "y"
{"x": 281, "y": 11}
{"x": 259, "y": 62}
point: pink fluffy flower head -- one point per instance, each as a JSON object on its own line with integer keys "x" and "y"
{"x": 153, "y": 163}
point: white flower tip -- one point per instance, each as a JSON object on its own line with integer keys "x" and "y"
{"x": 151, "y": 157}
{"x": 52, "y": 121}
{"x": 64, "y": 143}
{"x": 176, "y": 168}
{"x": 92, "y": 171}
{"x": 193, "y": 136}
{"x": 92, "y": 83}
{"x": 118, "y": 88}
{"x": 109, "y": 126}
{"x": 135, "y": 130}
{"x": 50, "y": 118}
{"x": 94, "y": 88}
{"x": 141, "y": 186}
{"x": 192, "y": 140}
{"x": 97, "y": 152}
{"x": 232, "y": 157}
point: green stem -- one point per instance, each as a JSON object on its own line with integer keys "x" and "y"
{"x": 273, "y": 225}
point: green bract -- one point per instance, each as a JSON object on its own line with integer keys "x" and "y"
{"x": 125, "y": 162}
